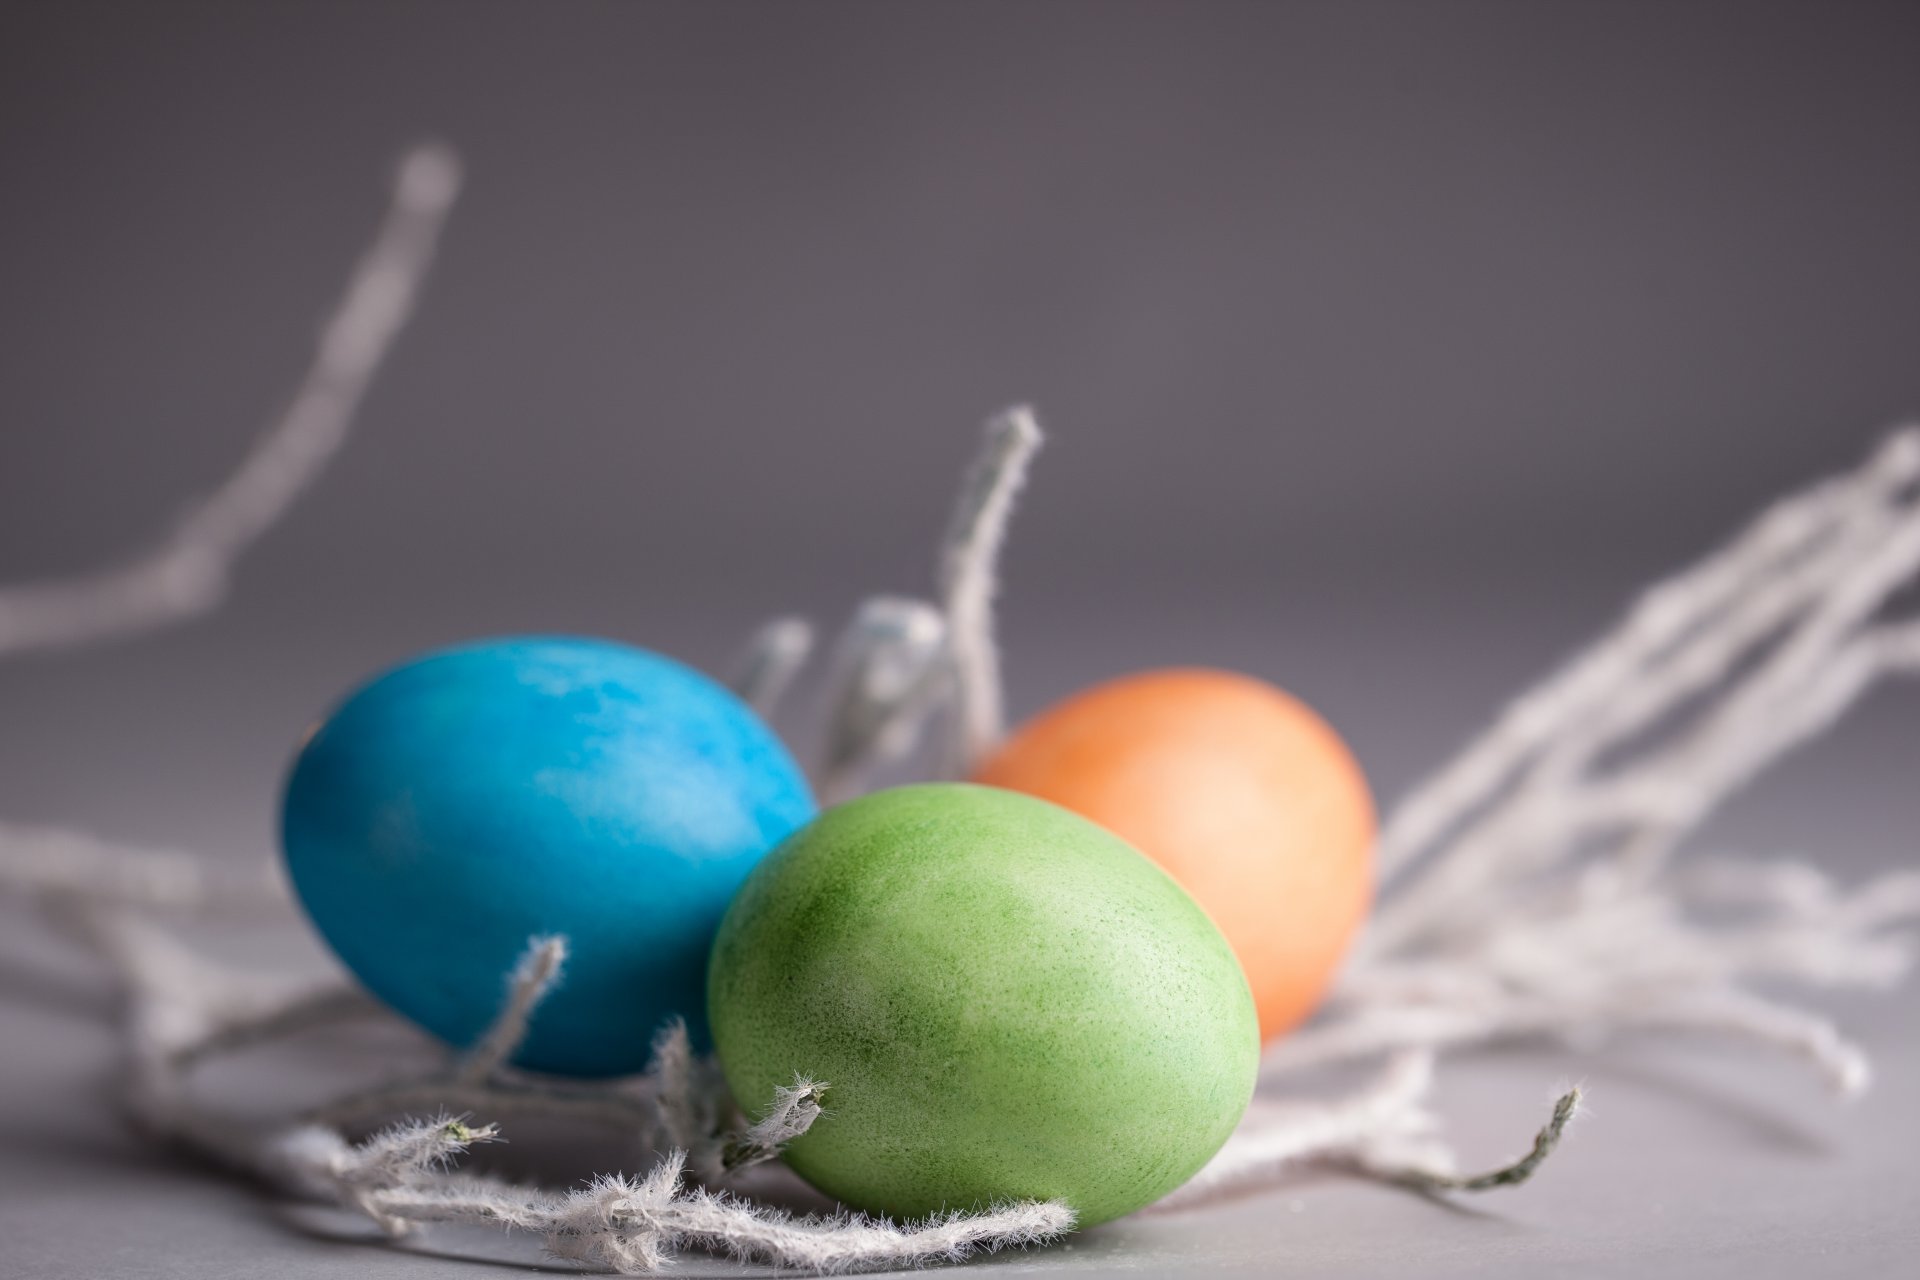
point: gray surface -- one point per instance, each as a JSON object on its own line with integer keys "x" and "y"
{"x": 1386, "y": 348}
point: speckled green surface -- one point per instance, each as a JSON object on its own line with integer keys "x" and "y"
{"x": 1005, "y": 1001}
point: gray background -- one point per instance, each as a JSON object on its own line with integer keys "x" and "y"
{"x": 1385, "y": 349}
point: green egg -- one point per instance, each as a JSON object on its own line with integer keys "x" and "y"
{"x": 1004, "y": 1000}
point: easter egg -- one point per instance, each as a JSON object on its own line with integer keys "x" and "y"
{"x": 476, "y": 797}
{"x": 1003, "y": 1000}
{"x": 1240, "y": 791}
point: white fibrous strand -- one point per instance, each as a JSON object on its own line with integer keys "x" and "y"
{"x": 1384, "y": 1130}
{"x": 773, "y": 657}
{"x": 902, "y": 660}
{"x": 49, "y": 865}
{"x": 1533, "y": 885}
{"x": 535, "y": 975}
{"x": 692, "y": 1101}
{"x": 969, "y": 579}
{"x": 636, "y": 1226}
{"x": 889, "y": 675}
{"x": 188, "y": 573}
{"x": 1280, "y": 1135}
{"x": 794, "y": 1109}
{"x": 1532, "y": 889}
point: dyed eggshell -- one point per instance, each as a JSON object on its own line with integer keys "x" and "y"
{"x": 1240, "y": 791}
{"x": 1004, "y": 1001}
{"x": 475, "y": 797}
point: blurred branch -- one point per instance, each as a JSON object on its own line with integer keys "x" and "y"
{"x": 188, "y": 574}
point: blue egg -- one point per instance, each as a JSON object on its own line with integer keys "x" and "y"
{"x": 478, "y": 796}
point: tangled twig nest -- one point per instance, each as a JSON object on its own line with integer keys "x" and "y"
{"x": 1530, "y": 885}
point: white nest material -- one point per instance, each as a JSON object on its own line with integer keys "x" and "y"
{"x": 1530, "y": 888}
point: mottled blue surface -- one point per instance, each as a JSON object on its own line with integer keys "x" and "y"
{"x": 474, "y": 797}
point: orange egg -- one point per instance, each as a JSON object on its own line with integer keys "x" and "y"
{"x": 1240, "y": 791}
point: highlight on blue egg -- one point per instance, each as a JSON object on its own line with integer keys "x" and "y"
{"x": 475, "y": 797}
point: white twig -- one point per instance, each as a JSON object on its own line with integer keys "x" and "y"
{"x": 1423, "y": 1177}
{"x": 968, "y": 580}
{"x": 900, "y": 660}
{"x": 795, "y": 1107}
{"x": 889, "y": 675}
{"x": 692, "y": 1101}
{"x": 1595, "y": 962}
{"x": 829, "y": 1246}
{"x": 1669, "y": 612}
{"x": 671, "y": 1074}
{"x": 634, "y": 1227}
{"x": 772, "y": 659}
{"x": 47, "y": 863}
{"x": 1438, "y": 1027}
{"x": 1539, "y": 897}
{"x": 1384, "y": 1131}
{"x": 1267, "y": 1146}
{"x": 539, "y": 969}
{"x": 367, "y": 1175}
{"x": 188, "y": 574}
